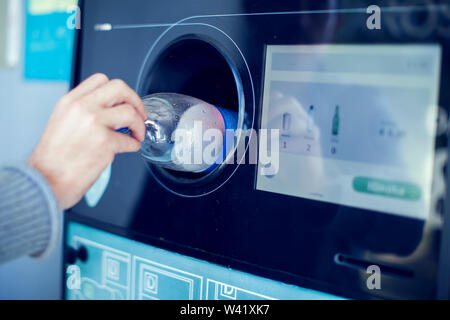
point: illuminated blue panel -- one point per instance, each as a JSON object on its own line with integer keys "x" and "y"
{"x": 48, "y": 40}
{"x": 119, "y": 268}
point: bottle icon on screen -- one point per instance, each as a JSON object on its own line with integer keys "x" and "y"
{"x": 336, "y": 120}
{"x": 310, "y": 120}
{"x": 287, "y": 121}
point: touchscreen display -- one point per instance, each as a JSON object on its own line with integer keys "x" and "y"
{"x": 357, "y": 124}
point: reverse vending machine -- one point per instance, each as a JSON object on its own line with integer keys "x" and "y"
{"x": 348, "y": 201}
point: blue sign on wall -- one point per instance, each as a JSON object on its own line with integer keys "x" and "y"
{"x": 48, "y": 40}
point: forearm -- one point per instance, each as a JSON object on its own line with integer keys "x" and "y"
{"x": 30, "y": 221}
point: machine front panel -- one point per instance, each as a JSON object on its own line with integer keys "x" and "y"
{"x": 119, "y": 268}
{"x": 362, "y": 115}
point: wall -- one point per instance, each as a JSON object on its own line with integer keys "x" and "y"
{"x": 25, "y": 107}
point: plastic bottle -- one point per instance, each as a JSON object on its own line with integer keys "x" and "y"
{"x": 310, "y": 120}
{"x": 286, "y": 128}
{"x": 179, "y": 133}
{"x": 336, "y": 121}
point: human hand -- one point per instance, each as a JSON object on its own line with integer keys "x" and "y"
{"x": 80, "y": 140}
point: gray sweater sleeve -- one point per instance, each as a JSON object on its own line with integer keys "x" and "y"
{"x": 30, "y": 220}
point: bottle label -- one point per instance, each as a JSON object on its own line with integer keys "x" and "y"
{"x": 230, "y": 121}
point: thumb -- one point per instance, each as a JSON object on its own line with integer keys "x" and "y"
{"x": 123, "y": 143}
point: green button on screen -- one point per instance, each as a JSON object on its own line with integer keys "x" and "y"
{"x": 392, "y": 189}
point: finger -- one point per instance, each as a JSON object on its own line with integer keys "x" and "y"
{"x": 125, "y": 116}
{"x": 87, "y": 86}
{"x": 117, "y": 92}
{"x": 123, "y": 143}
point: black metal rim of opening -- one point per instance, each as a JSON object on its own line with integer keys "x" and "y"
{"x": 196, "y": 185}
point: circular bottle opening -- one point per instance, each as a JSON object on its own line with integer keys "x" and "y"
{"x": 196, "y": 68}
